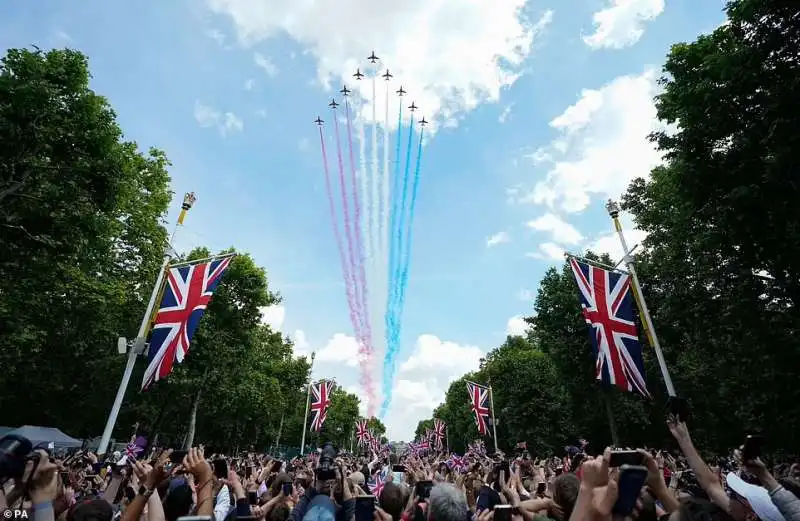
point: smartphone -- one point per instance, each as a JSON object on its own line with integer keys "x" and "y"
{"x": 631, "y": 480}
{"x": 287, "y": 488}
{"x": 365, "y": 508}
{"x": 751, "y": 449}
{"x": 194, "y": 518}
{"x": 679, "y": 408}
{"x": 276, "y": 466}
{"x": 248, "y": 472}
{"x": 252, "y": 498}
{"x": 398, "y": 468}
{"x": 65, "y": 478}
{"x": 483, "y": 498}
{"x": 177, "y": 456}
{"x": 541, "y": 488}
{"x": 503, "y": 466}
{"x": 423, "y": 489}
{"x": 625, "y": 457}
{"x": 502, "y": 513}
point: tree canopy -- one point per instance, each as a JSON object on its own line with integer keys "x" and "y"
{"x": 82, "y": 213}
{"x": 720, "y": 265}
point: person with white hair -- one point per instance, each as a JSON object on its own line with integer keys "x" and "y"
{"x": 447, "y": 503}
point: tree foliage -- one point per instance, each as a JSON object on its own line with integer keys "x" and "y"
{"x": 82, "y": 219}
{"x": 720, "y": 265}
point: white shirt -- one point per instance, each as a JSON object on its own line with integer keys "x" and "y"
{"x": 223, "y": 504}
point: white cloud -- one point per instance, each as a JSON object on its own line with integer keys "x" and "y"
{"x": 340, "y": 348}
{"x": 249, "y": 84}
{"x": 621, "y": 24}
{"x": 423, "y": 379}
{"x": 497, "y": 238}
{"x": 362, "y": 403}
{"x": 301, "y": 344}
{"x": 517, "y": 326}
{"x": 547, "y": 251}
{"x": 273, "y": 316}
{"x": 559, "y": 229}
{"x": 506, "y": 113}
{"x": 602, "y": 144}
{"x": 209, "y": 117}
{"x": 609, "y": 243}
{"x": 449, "y": 55}
{"x": 265, "y": 63}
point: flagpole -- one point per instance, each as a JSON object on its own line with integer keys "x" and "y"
{"x": 613, "y": 210}
{"x": 139, "y": 344}
{"x": 494, "y": 423}
{"x": 308, "y": 398}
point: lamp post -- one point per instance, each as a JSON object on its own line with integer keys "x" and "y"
{"x": 613, "y": 211}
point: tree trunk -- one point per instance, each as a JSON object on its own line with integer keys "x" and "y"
{"x": 193, "y": 420}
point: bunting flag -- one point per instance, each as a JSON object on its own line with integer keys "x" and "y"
{"x": 321, "y": 391}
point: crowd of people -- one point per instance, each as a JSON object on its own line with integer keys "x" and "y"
{"x": 331, "y": 485}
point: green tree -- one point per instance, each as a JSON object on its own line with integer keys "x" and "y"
{"x": 722, "y": 262}
{"x": 422, "y": 427}
{"x": 80, "y": 240}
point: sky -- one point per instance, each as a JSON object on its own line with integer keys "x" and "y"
{"x": 539, "y": 111}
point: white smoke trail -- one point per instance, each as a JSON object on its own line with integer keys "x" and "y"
{"x": 375, "y": 294}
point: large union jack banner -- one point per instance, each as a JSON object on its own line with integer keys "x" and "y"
{"x": 187, "y": 292}
{"x": 479, "y": 402}
{"x": 321, "y": 392}
{"x": 607, "y": 307}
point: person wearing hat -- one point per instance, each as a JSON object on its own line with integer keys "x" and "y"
{"x": 784, "y": 500}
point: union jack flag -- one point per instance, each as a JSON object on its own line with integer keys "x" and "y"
{"x": 376, "y": 483}
{"x": 187, "y": 292}
{"x": 477, "y": 448}
{"x": 321, "y": 391}
{"x": 458, "y": 463}
{"x": 438, "y": 432}
{"x": 608, "y": 310}
{"x": 479, "y": 396}
{"x": 133, "y": 450}
{"x": 362, "y": 434}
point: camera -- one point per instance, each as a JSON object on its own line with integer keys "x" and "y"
{"x": 325, "y": 468}
{"x": 15, "y": 451}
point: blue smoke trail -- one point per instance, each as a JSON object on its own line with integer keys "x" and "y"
{"x": 394, "y": 337}
{"x": 393, "y": 248}
{"x": 406, "y": 260}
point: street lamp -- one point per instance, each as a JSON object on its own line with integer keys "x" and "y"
{"x": 613, "y": 208}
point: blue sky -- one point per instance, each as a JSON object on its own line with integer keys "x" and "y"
{"x": 540, "y": 111}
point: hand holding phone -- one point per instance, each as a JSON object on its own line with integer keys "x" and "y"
{"x": 631, "y": 480}
{"x": 365, "y": 508}
{"x": 501, "y": 513}
{"x": 752, "y": 447}
{"x": 625, "y": 457}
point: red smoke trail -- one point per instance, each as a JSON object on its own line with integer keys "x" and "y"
{"x": 357, "y": 277}
{"x": 365, "y": 347}
{"x": 339, "y": 244}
